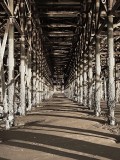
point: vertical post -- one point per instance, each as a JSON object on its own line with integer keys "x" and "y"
{"x": 81, "y": 71}
{"x": 42, "y": 68}
{"x": 34, "y": 70}
{"x": 93, "y": 92}
{"x": 111, "y": 65}
{"x": 81, "y": 82}
{"x": 97, "y": 82}
{"x": 105, "y": 88}
{"x": 40, "y": 73}
{"x": 3, "y": 91}
{"x": 72, "y": 90}
{"x": 34, "y": 84}
{"x": 102, "y": 92}
{"x": 76, "y": 73}
{"x": 78, "y": 79}
{"x": 22, "y": 65}
{"x": 74, "y": 86}
{"x": 37, "y": 70}
{"x": 29, "y": 63}
{"x": 90, "y": 80}
{"x": 78, "y": 70}
{"x": 37, "y": 84}
{"x": 85, "y": 82}
{"x": 97, "y": 64}
{"x": 117, "y": 84}
{"x": 11, "y": 62}
{"x": 119, "y": 91}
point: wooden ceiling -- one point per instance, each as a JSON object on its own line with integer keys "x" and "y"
{"x": 59, "y": 22}
{"x": 66, "y": 29}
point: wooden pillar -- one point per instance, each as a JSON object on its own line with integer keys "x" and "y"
{"x": 117, "y": 84}
{"x": 74, "y": 87}
{"x": 78, "y": 79}
{"x": 40, "y": 75}
{"x": 119, "y": 91}
{"x": 93, "y": 92}
{"x": 37, "y": 71}
{"x": 22, "y": 65}
{"x": 97, "y": 79}
{"x": 105, "y": 88}
{"x": 34, "y": 84}
{"x": 11, "y": 62}
{"x": 76, "y": 75}
{"x": 97, "y": 66}
{"x": 3, "y": 90}
{"x": 29, "y": 63}
{"x": 85, "y": 83}
{"x": 43, "y": 76}
{"x": 70, "y": 91}
{"x": 37, "y": 86}
{"x": 81, "y": 82}
{"x": 42, "y": 85}
{"x": 102, "y": 91}
{"x": 90, "y": 80}
{"x": 34, "y": 69}
{"x": 111, "y": 65}
{"x": 72, "y": 94}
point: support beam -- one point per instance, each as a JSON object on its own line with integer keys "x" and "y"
{"x": 37, "y": 72}
{"x": 11, "y": 63}
{"x": 81, "y": 82}
{"x": 59, "y": 14}
{"x": 105, "y": 88}
{"x": 97, "y": 65}
{"x": 22, "y": 65}
{"x": 85, "y": 96}
{"x": 76, "y": 76}
{"x": 97, "y": 82}
{"x": 29, "y": 63}
{"x": 111, "y": 65}
{"x": 40, "y": 71}
{"x": 61, "y": 34}
{"x": 58, "y": 25}
{"x": 90, "y": 80}
{"x": 3, "y": 89}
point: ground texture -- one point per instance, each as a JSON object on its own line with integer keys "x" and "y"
{"x": 60, "y": 130}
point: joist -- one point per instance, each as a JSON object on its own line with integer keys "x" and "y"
{"x": 58, "y": 25}
{"x": 59, "y": 14}
{"x": 60, "y": 34}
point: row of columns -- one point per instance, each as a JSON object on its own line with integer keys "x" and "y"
{"x": 89, "y": 84}
{"x": 31, "y": 86}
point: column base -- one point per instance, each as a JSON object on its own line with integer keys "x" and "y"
{"x": 97, "y": 113}
{"x": 111, "y": 121}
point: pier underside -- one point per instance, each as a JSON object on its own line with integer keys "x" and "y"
{"x": 67, "y": 50}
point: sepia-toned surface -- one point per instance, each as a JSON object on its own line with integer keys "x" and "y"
{"x": 60, "y": 129}
{"x": 68, "y": 47}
